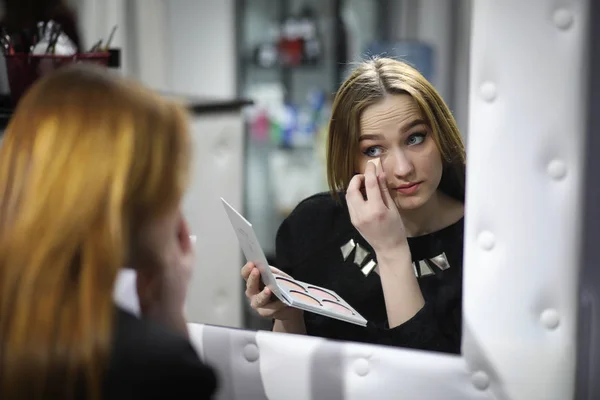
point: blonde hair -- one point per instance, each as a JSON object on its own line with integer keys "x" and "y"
{"x": 86, "y": 161}
{"x": 368, "y": 84}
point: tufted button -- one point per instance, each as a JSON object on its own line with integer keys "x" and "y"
{"x": 480, "y": 380}
{"x": 557, "y": 169}
{"x": 562, "y": 18}
{"x": 488, "y": 91}
{"x": 361, "y": 367}
{"x": 550, "y": 319}
{"x": 251, "y": 352}
{"x": 486, "y": 240}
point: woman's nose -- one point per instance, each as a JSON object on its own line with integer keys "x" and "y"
{"x": 399, "y": 164}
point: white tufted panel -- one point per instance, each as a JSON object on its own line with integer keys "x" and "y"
{"x": 125, "y": 291}
{"x": 195, "y": 332}
{"x": 265, "y": 365}
{"x": 215, "y": 290}
{"x": 524, "y": 190}
{"x": 386, "y": 373}
{"x": 297, "y": 385}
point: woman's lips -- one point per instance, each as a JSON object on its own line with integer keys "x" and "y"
{"x": 408, "y": 189}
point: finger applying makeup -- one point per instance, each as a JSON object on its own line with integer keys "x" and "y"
{"x": 381, "y": 178}
{"x": 372, "y": 184}
{"x": 378, "y": 166}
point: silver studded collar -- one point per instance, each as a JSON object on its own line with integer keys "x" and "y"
{"x": 364, "y": 261}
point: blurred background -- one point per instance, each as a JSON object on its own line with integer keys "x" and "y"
{"x": 276, "y": 65}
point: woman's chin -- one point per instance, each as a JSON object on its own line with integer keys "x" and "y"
{"x": 409, "y": 203}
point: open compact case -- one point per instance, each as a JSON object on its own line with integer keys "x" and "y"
{"x": 291, "y": 292}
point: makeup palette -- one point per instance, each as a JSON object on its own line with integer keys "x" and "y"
{"x": 291, "y": 292}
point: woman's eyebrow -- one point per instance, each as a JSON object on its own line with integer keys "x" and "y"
{"x": 370, "y": 137}
{"x": 412, "y": 124}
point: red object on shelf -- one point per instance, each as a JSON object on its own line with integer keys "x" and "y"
{"x": 24, "y": 69}
{"x": 291, "y": 51}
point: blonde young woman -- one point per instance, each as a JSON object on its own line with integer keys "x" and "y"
{"x": 389, "y": 236}
{"x": 92, "y": 171}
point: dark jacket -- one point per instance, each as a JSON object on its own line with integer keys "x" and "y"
{"x": 150, "y": 362}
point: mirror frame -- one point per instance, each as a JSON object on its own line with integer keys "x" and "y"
{"x": 523, "y": 229}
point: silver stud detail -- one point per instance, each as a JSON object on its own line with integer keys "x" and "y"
{"x": 425, "y": 268}
{"x": 369, "y": 267}
{"x": 441, "y": 261}
{"x": 347, "y": 248}
{"x": 359, "y": 255}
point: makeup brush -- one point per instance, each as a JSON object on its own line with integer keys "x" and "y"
{"x": 110, "y": 38}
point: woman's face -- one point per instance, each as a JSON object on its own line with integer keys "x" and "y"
{"x": 394, "y": 131}
{"x": 161, "y": 258}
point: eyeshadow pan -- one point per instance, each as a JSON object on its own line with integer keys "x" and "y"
{"x": 337, "y": 307}
{"x": 304, "y": 298}
{"x": 321, "y": 293}
{"x": 289, "y": 284}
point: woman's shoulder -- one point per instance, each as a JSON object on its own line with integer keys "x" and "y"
{"x": 148, "y": 358}
{"x": 315, "y": 223}
{"x": 319, "y": 209}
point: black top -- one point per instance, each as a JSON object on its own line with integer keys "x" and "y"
{"x": 309, "y": 248}
{"x": 150, "y": 362}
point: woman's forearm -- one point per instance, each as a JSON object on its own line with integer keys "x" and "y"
{"x": 403, "y": 297}
{"x": 295, "y": 325}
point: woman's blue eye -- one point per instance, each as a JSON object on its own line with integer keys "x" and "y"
{"x": 416, "y": 138}
{"x": 373, "y": 151}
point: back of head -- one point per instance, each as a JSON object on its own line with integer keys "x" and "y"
{"x": 87, "y": 160}
{"x": 368, "y": 84}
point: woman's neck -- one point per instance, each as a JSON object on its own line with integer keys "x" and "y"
{"x": 439, "y": 212}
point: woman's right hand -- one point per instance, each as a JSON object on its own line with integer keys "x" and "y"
{"x": 262, "y": 300}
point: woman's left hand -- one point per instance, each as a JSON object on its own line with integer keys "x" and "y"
{"x": 376, "y": 216}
